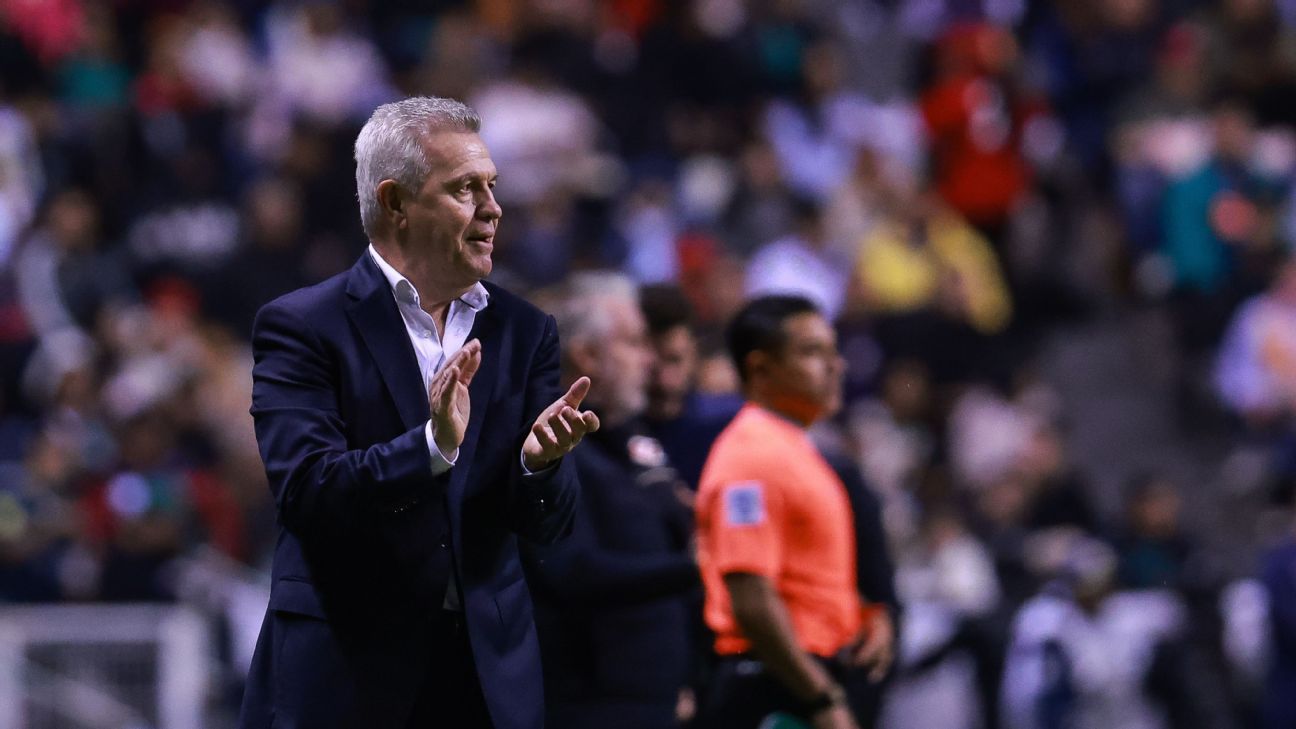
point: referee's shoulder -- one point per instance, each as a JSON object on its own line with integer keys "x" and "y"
{"x": 746, "y": 447}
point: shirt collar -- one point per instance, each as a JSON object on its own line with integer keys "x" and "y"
{"x": 476, "y": 297}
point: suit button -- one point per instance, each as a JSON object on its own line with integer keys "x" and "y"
{"x": 443, "y": 545}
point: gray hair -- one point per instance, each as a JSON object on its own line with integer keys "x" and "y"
{"x": 388, "y": 147}
{"x": 580, "y": 308}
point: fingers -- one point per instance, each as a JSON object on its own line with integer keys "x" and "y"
{"x": 867, "y": 652}
{"x": 879, "y": 670}
{"x": 448, "y": 388}
{"x": 561, "y": 428}
{"x": 471, "y": 354}
{"x": 467, "y": 359}
{"x": 581, "y": 424}
{"x": 576, "y": 423}
{"x": 881, "y": 665}
{"x": 545, "y": 438}
{"x": 464, "y": 364}
{"x": 435, "y": 387}
{"x": 875, "y": 653}
{"x": 577, "y": 392}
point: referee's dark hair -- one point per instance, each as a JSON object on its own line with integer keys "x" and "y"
{"x": 758, "y": 326}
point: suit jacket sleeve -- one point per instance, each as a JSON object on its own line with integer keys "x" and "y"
{"x": 317, "y": 481}
{"x": 542, "y": 505}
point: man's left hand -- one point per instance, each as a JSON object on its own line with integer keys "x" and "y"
{"x": 559, "y": 428}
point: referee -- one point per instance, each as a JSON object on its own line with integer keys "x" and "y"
{"x": 776, "y": 538}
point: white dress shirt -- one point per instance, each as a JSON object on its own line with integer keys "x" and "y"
{"x": 431, "y": 349}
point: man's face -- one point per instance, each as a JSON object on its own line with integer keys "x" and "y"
{"x": 674, "y": 363}
{"x": 805, "y": 378}
{"x": 452, "y": 218}
{"x": 623, "y": 361}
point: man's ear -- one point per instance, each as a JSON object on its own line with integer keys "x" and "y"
{"x": 757, "y": 362}
{"x": 392, "y": 201}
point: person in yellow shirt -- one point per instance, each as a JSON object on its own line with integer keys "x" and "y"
{"x": 925, "y": 256}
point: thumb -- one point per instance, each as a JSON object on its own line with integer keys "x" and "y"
{"x": 577, "y": 392}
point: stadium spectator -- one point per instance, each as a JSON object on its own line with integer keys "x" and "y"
{"x": 1256, "y": 366}
{"x": 1081, "y": 654}
{"x": 803, "y": 263}
{"x": 1152, "y": 547}
{"x": 684, "y": 420}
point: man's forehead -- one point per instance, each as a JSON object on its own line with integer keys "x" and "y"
{"x": 626, "y": 319}
{"x": 454, "y": 151}
{"x": 677, "y": 336}
{"x": 808, "y": 326}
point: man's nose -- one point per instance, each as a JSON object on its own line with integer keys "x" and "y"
{"x": 489, "y": 208}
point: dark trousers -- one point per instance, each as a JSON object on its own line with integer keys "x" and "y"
{"x": 607, "y": 713}
{"x": 742, "y": 694}
{"x": 451, "y": 697}
{"x": 865, "y": 696}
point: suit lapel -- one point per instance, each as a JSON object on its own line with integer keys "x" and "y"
{"x": 374, "y": 313}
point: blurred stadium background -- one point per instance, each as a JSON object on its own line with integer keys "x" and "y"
{"x": 1054, "y": 235}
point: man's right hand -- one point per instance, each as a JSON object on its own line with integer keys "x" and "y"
{"x": 835, "y": 717}
{"x": 448, "y": 398}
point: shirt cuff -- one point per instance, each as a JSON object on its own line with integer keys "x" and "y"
{"x": 528, "y": 472}
{"x": 440, "y": 463}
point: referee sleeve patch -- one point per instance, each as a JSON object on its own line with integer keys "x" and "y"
{"x": 744, "y": 504}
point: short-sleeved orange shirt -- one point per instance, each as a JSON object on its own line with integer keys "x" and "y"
{"x": 769, "y": 504}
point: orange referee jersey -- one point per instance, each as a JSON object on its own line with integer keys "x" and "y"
{"x": 768, "y": 504}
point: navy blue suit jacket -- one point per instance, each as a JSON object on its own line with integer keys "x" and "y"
{"x": 369, "y": 539}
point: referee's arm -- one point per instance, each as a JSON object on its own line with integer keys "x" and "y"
{"x": 765, "y": 622}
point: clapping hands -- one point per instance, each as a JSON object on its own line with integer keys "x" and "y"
{"x": 553, "y": 435}
{"x": 448, "y": 397}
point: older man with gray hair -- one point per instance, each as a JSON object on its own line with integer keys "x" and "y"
{"x": 612, "y": 601}
{"x": 413, "y": 429}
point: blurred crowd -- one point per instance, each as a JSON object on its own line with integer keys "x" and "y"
{"x": 953, "y": 182}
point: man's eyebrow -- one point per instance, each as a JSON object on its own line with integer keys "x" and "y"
{"x": 471, "y": 176}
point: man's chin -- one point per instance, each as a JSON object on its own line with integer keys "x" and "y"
{"x": 831, "y": 409}
{"x": 482, "y": 267}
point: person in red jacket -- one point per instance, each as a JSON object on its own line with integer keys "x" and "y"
{"x": 976, "y": 121}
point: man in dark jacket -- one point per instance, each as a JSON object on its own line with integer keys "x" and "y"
{"x": 413, "y": 433}
{"x": 613, "y": 607}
